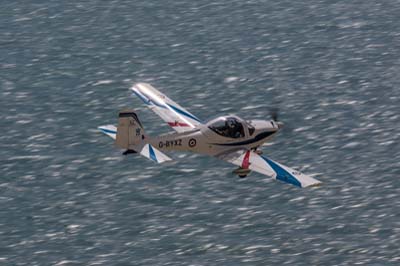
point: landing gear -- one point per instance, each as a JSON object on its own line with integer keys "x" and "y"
{"x": 258, "y": 152}
{"x": 128, "y": 152}
{"x": 242, "y": 172}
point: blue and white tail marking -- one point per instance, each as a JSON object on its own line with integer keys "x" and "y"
{"x": 147, "y": 150}
{"x": 154, "y": 154}
{"x": 109, "y": 130}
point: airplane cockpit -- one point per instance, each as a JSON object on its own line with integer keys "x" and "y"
{"x": 230, "y": 127}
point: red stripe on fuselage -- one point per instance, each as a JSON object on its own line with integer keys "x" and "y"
{"x": 177, "y": 124}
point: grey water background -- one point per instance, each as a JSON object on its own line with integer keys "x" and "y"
{"x": 68, "y": 197}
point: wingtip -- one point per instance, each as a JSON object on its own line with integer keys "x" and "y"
{"x": 110, "y": 130}
{"x": 315, "y": 185}
{"x": 101, "y": 128}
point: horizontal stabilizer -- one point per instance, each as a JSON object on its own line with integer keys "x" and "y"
{"x": 130, "y": 136}
{"x": 154, "y": 154}
{"x": 109, "y": 130}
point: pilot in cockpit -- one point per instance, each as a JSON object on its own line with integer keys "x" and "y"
{"x": 235, "y": 129}
{"x": 228, "y": 127}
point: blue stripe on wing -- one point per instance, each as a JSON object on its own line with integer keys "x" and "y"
{"x": 282, "y": 174}
{"x": 179, "y": 111}
{"x": 147, "y": 100}
{"x": 142, "y": 97}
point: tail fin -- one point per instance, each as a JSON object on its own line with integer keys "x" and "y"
{"x": 131, "y": 136}
{"x": 130, "y": 132}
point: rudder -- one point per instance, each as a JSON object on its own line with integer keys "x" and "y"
{"x": 130, "y": 132}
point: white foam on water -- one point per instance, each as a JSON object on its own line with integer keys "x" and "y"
{"x": 103, "y": 82}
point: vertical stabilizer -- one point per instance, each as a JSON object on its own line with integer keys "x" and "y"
{"x": 130, "y": 136}
{"x": 130, "y": 131}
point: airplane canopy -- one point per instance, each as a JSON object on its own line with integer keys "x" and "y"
{"x": 228, "y": 126}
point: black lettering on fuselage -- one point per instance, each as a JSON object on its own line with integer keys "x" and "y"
{"x": 170, "y": 143}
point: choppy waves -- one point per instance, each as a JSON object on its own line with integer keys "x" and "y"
{"x": 69, "y": 197}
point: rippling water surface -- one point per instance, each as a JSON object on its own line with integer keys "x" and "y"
{"x": 68, "y": 197}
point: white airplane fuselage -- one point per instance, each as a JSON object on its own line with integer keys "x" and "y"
{"x": 203, "y": 139}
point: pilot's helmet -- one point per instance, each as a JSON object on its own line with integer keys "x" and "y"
{"x": 231, "y": 123}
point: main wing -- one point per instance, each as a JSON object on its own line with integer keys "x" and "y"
{"x": 268, "y": 167}
{"x": 175, "y": 115}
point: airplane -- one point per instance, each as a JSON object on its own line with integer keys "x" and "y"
{"x": 229, "y": 138}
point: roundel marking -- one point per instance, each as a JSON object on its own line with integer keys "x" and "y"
{"x": 192, "y": 143}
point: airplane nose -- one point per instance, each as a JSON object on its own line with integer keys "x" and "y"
{"x": 276, "y": 125}
{"x": 266, "y": 125}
